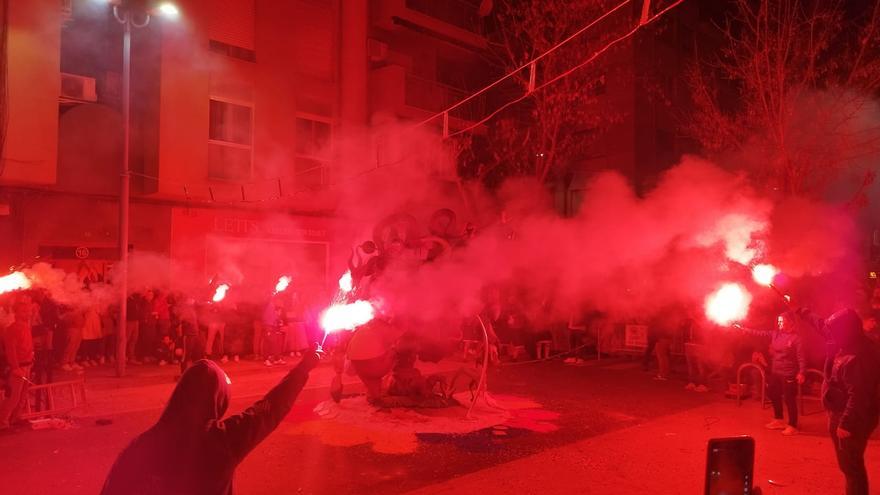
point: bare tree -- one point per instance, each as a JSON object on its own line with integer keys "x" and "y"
{"x": 801, "y": 78}
{"x": 550, "y": 129}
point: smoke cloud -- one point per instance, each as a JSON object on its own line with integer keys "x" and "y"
{"x": 625, "y": 254}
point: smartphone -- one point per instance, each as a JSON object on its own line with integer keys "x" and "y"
{"x": 730, "y": 466}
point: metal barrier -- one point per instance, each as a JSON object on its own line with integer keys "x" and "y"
{"x": 52, "y": 397}
{"x": 739, "y": 383}
{"x": 632, "y": 339}
{"x": 821, "y": 376}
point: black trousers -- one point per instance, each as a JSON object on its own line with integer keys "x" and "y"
{"x": 273, "y": 344}
{"x": 193, "y": 350}
{"x": 41, "y": 373}
{"x": 649, "y": 350}
{"x": 780, "y": 387}
{"x": 851, "y": 454}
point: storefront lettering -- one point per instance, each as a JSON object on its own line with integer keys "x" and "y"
{"x": 244, "y": 227}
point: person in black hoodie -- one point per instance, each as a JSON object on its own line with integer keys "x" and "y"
{"x": 850, "y": 395}
{"x": 191, "y": 450}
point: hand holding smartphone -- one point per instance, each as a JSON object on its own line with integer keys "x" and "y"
{"x": 730, "y": 466}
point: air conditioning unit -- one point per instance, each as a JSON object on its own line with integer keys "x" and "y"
{"x": 77, "y": 89}
{"x": 377, "y": 50}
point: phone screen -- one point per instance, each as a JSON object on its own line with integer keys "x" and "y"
{"x": 730, "y": 466}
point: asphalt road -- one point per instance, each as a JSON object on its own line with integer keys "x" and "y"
{"x": 576, "y": 403}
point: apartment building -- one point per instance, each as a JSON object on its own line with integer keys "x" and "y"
{"x": 235, "y": 105}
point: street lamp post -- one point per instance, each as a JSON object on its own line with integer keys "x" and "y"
{"x": 131, "y": 14}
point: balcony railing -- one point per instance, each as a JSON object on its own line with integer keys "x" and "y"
{"x": 435, "y": 97}
{"x": 459, "y": 13}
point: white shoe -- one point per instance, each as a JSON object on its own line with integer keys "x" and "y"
{"x": 690, "y": 386}
{"x": 268, "y": 362}
{"x": 776, "y": 424}
{"x": 789, "y": 431}
{"x": 162, "y": 363}
{"x": 660, "y": 378}
{"x": 66, "y": 367}
{"x": 235, "y": 358}
{"x": 224, "y": 359}
{"x": 570, "y": 360}
{"x": 76, "y": 367}
{"x": 701, "y": 388}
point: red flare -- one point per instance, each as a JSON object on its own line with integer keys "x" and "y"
{"x": 14, "y": 281}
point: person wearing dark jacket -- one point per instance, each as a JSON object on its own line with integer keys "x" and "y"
{"x": 191, "y": 450}
{"x": 850, "y": 395}
{"x": 788, "y": 362}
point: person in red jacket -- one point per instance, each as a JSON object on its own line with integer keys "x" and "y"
{"x": 19, "y": 349}
{"x": 191, "y": 450}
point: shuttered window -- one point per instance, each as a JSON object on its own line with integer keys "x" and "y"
{"x": 232, "y": 22}
{"x": 314, "y": 35}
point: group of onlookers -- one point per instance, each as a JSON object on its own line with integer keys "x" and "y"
{"x": 41, "y": 338}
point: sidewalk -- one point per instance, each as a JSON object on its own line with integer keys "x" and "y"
{"x": 146, "y": 387}
{"x": 668, "y": 456}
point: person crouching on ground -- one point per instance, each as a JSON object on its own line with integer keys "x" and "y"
{"x": 191, "y": 449}
{"x": 850, "y": 395}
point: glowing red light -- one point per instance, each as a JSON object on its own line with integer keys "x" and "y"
{"x": 728, "y": 304}
{"x": 14, "y": 281}
{"x": 282, "y": 284}
{"x": 764, "y": 274}
{"x": 220, "y": 292}
{"x": 346, "y": 316}
{"x": 345, "y": 283}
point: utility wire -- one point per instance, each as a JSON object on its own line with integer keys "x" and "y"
{"x": 440, "y": 114}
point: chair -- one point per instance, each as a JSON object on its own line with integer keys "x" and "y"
{"x": 543, "y": 349}
{"x": 60, "y": 398}
{"x": 512, "y": 350}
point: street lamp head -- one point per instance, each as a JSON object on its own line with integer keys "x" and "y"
{"x": 169, "y": 10}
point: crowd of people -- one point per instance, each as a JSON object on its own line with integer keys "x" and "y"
{"x": 164, "y": 328}
{"x": 42, "y": 338}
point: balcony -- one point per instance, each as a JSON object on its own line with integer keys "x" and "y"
{"x": 454, "y": 21}
{"x": 408, "y": 96}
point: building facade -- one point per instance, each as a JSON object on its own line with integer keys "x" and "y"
{"x": 237, "y": 111}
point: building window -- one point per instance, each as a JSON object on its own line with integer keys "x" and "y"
{"x": 312, "y": 150}
{"x": 230, "y": 140}
{"x": 232, "y": 51}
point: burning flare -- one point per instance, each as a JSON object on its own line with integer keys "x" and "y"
{"x": 764, "y": 274}
{"x": 346, "y": 316}
{"x": 345, "y": 282}
{"x": 220, "y": 292}
{"x": 282, "y": 284}
{"x": 14, "y": 281}
{"x": 728, "y": 304}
